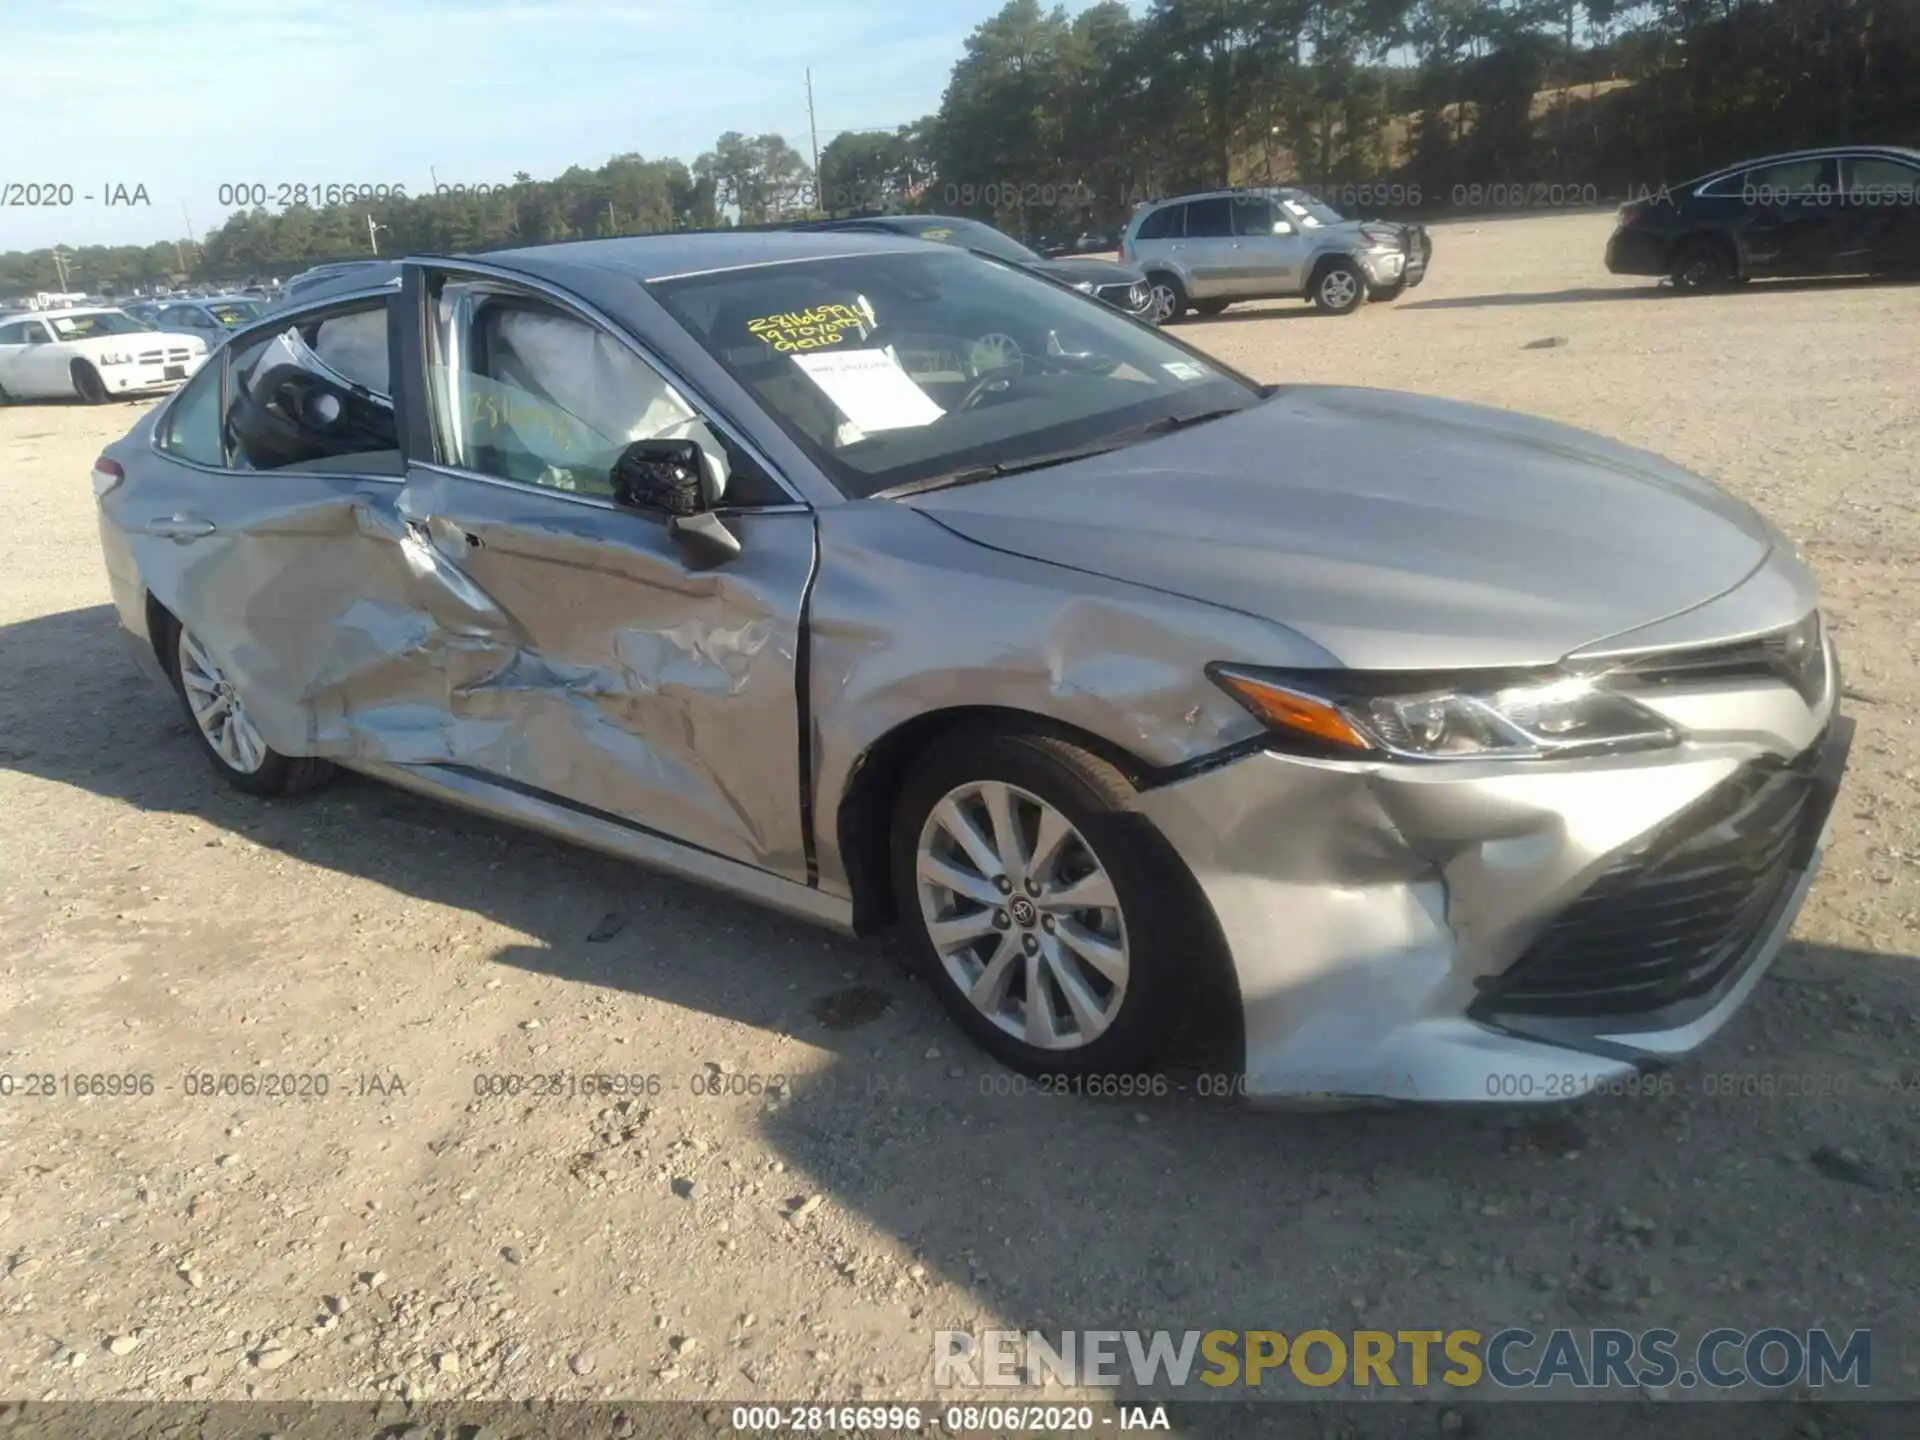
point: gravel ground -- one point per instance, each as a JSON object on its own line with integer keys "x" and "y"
{"x": 402, "y": 1237}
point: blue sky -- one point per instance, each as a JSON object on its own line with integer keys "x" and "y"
{"x": 183, "y": 95}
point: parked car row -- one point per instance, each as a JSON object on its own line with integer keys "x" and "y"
{"x": 1435, "y": 752}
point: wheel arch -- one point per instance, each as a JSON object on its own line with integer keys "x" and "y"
{"x": 864, "y": 814}
{"x": 161, "y": 625}
{"x": 863, "y": 820}
{"x": 1711, "y": 235}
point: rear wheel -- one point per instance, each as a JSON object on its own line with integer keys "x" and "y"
{"x": 227, "y": 733}
{"x": 1339, "y": 288}
{"x": 1039, "y": 903}
{"x": 1704, "y": 263}
{"x": 1169, "y": 300}
{"x": 88, "y": 385}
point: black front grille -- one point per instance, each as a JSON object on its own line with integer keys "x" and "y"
{"x": 1670, "y": 923}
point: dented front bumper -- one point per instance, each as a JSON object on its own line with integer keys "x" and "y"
{"x": 1419, "y": 932}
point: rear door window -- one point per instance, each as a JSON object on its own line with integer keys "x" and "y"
{"x": 300, "y": 398}
{"x": 1792, "y": 182}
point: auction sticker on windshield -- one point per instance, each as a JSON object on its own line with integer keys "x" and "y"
{"x": 1184, "y": 370}
{"x": 812, "y": 329}
{"x": 871, "y": 389}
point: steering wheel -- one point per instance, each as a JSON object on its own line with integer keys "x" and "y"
{"x": 988, "y": 384}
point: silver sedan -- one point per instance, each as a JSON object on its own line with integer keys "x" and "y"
{"x": 1439, "y": 752}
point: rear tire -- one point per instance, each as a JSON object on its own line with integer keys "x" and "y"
{"x": 1025, "y": 825}
{"x": 226, "y": 735}
{"x": 1169, "y": 297}
{"x": 88, "y": 385}
{"x": 1339, "y": 288}
{"x": 1704, "y": 264}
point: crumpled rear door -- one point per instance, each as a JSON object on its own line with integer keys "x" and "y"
{"x": 332, "y": 618}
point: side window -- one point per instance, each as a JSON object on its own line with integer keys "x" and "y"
{"x": 1253, "y": 215}
{"x": 1887, "y": 181}
{"x": 13, "y": 334}
{"x": 1169, "y": 222}
{"x": 192, "y": 426}
{"x": 1208, "y": 219}
{"x": 290, "y": 406}
{"x": 1792, "y": 181}
{"x": 523, "y": 391}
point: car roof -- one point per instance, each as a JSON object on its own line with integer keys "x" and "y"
{"x": 1820, "y": 153}
{"x": 667, "y": 256}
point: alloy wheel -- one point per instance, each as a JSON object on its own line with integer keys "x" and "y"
{"x": 1339, "y": 289}
{"x": 1023, "y": 915}
{"x": 217, "y": 710}
{"x": 1162, "y": 302}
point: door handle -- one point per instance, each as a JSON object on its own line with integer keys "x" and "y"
{"x": 180, "y": 527}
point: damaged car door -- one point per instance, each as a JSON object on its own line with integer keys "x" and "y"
{"x": 621, "y": 674}
{"x": 269, "y": 532}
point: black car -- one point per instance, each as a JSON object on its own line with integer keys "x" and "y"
{"x": 1848, "y": 210}
{"x": 1121, "y": 286}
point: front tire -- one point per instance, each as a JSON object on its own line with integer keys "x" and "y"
{"x": 88, "y": 385}
{"x": 226, "y": 733}
{"x": 1339, "y": 289}
{"x": 1038, "y": 903}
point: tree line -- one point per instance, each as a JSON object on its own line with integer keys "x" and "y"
{"x": 1051, "y": 123}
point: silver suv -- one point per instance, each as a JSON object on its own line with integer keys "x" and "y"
{"x": 1204, "y": 252}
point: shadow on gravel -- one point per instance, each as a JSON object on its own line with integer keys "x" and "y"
{"x": 1149, "y": 1212}
{"x": 1649, "y": 290}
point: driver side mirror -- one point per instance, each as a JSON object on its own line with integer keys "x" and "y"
{"x": 675, "y": 478}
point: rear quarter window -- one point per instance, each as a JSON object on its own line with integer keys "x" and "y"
{"x": 1169, "y": 222}
{"x": 190, "y": 429}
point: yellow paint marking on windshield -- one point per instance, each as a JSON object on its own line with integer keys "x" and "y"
{"x": 808, "y": 329}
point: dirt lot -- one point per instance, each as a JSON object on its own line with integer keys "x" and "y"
{"x": 402, "y": 1237}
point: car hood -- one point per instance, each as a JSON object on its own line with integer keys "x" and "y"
{"x": 1393, "y": 531}
{"x": 1074, "y": 270}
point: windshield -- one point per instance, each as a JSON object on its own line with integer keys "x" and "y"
{"x": 233, "y": 313}
{"x": 968, "y": 235}
{"x": 97, "y": 322}
{"x": 1307, "y": 212}
{"x": 896, "y": 369}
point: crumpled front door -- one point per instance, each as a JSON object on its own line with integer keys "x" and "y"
{"x": 605, "y": 672}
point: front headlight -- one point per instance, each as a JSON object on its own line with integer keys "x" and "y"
{"x": 1085, "y": 287}
{"x": 1529, "y": 719}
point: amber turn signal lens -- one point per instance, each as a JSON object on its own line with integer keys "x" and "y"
{"x": 1290, "y": 710}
